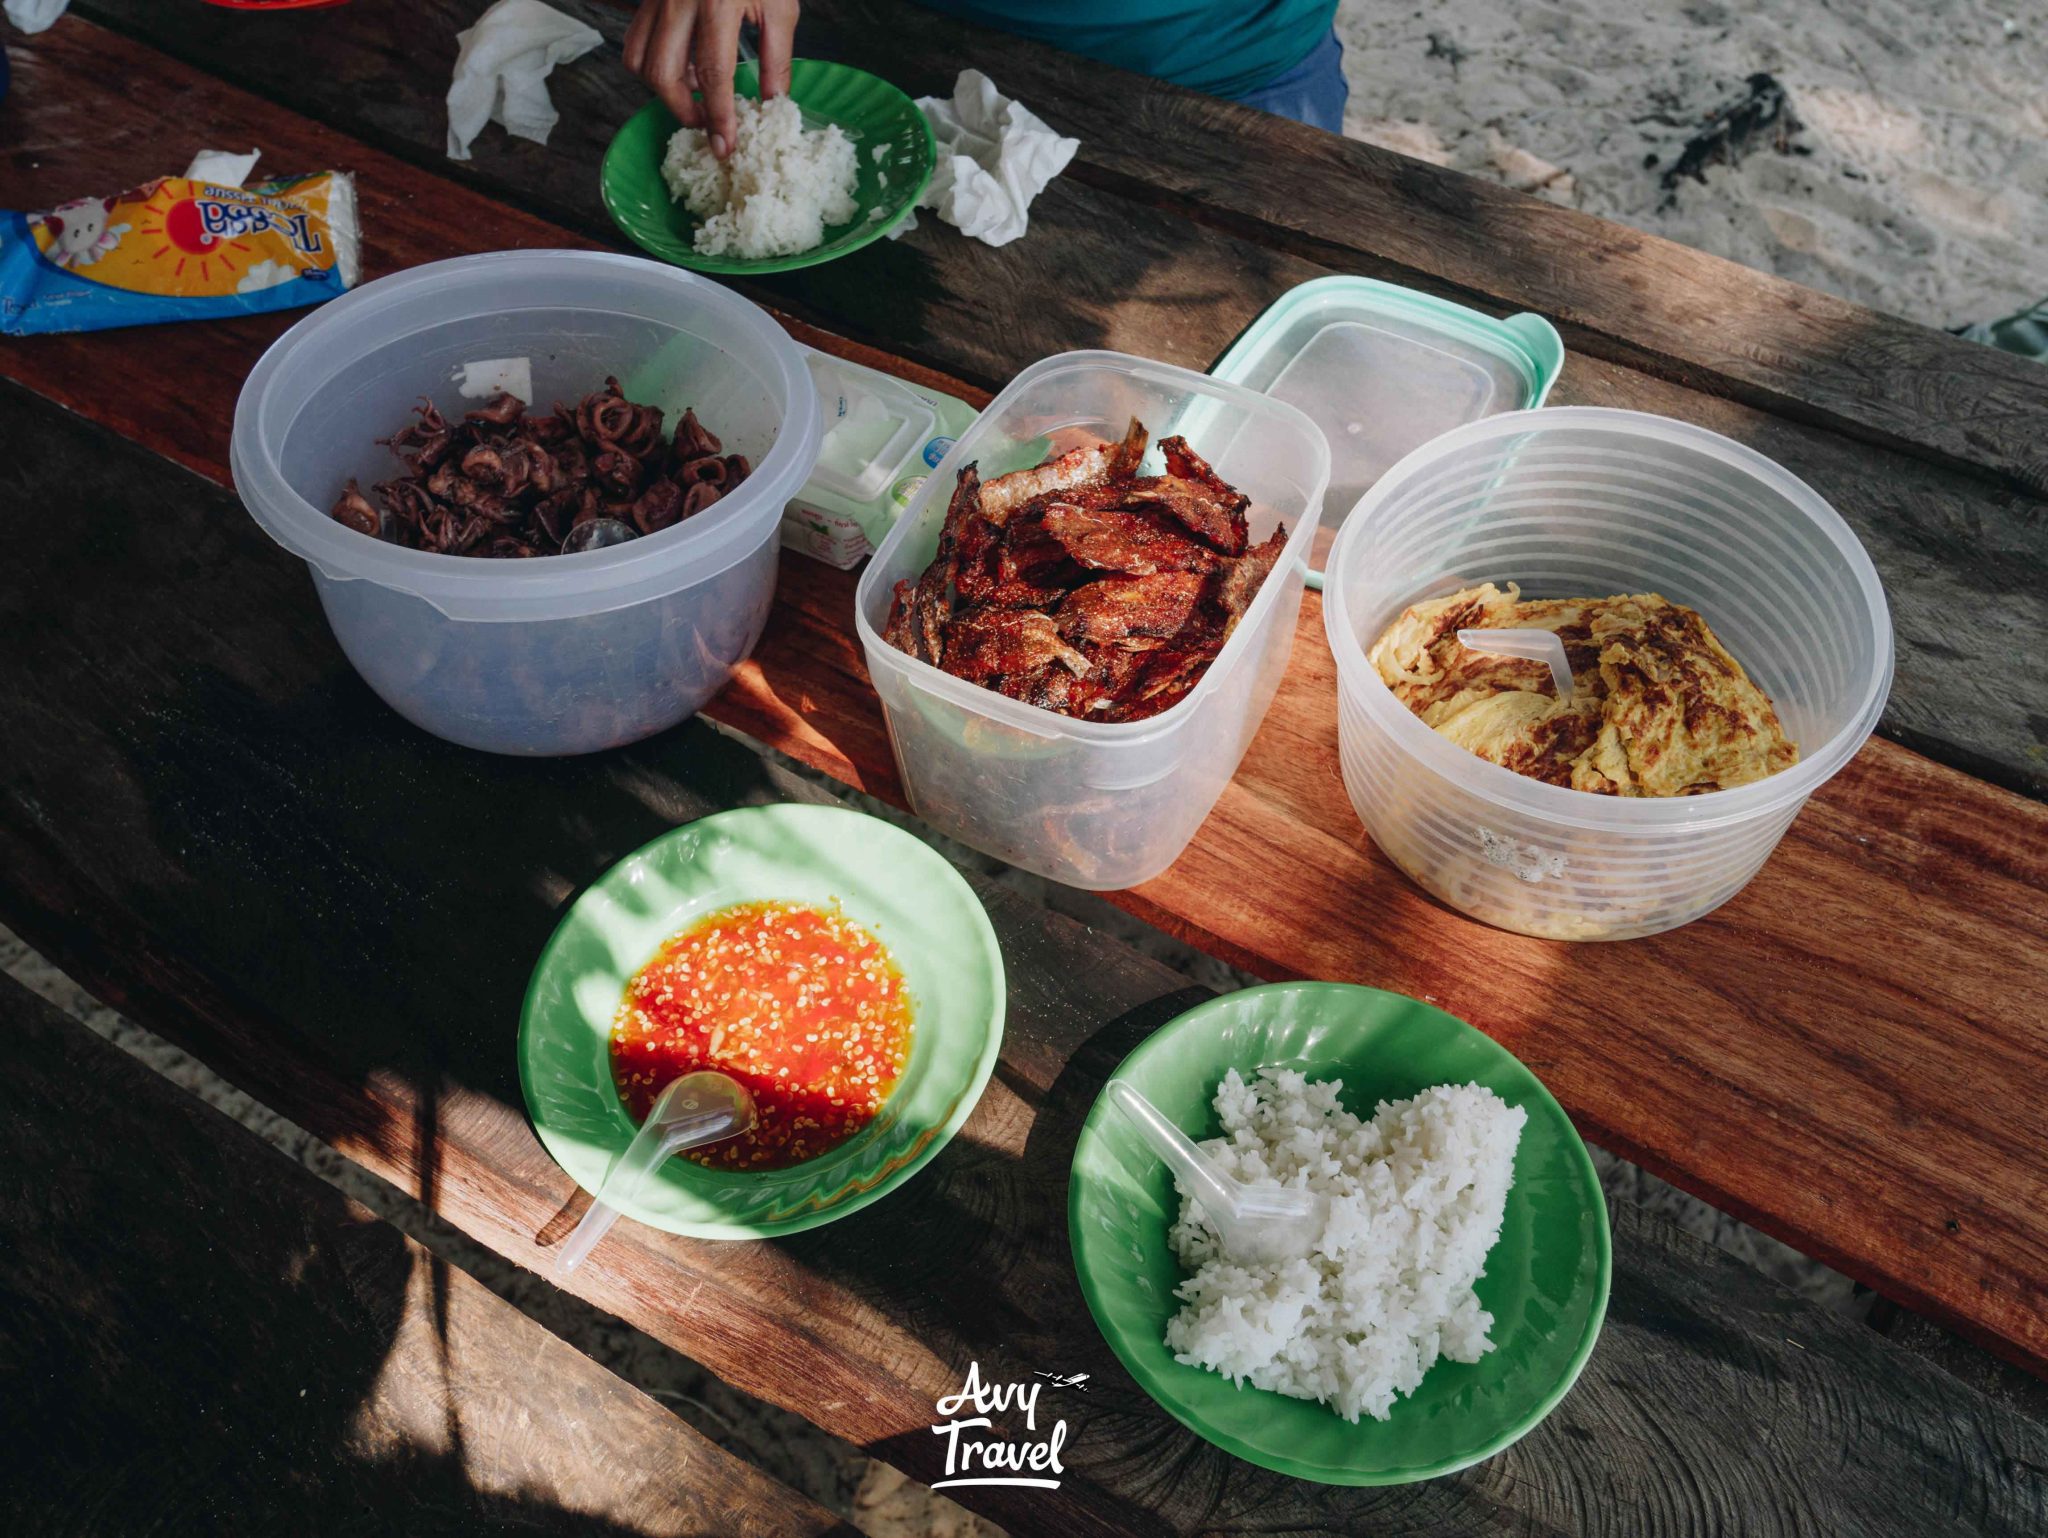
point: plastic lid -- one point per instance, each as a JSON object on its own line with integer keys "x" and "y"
{"x": 873, "y": 427}
{"x": 1382, "y": 369}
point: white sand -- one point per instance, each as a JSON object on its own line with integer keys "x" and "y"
{"x": 1926, "y": 192}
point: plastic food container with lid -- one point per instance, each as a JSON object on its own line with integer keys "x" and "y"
{"x": 1583, "y": 502}
{"x": 560, "y": 654}
{"x": 1096, "y": 804}
{"x": 1383, "y": 369}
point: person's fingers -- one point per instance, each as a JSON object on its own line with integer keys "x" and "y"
{"x": 636, "y": 35}
{"x": 778, "y": 41}
{"x": 668, "y": 61}
{"x": 717, "y": 52}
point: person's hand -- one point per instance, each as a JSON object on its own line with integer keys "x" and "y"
{"x": 678, "y": 46}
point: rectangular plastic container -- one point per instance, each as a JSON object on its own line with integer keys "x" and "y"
{"x": 1383, "y": 369}
{"x": 1100, "y": 805}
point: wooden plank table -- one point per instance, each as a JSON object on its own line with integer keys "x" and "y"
{"x": 200, "y": 738}
{"x": 1829, "y": 1026}
{"x": 200, "y": 1336}
{"x": 225, "y": 835}
{"x": 1174, "y": 274}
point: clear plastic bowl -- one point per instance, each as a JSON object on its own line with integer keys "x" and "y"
{"x": 1580, "y": 502}
{"x": 1097, "y": 804}
{"x": 568, "y": 653}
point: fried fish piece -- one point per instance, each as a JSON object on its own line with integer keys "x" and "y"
{"x": 1115, "y": 608}
{"x": 1162, "y": 679}
{"x": 1215, "y": 515}
{"x": 920, "y": 611}
{"x": 1240, "y": 580}
{"x": 1051, "y": 687}
{"x": 1031, "y": 568}
{"x": 1135, "y": 543}
{"x": 1091, "y": 465}
{"x": 1184, "y": 462}
{"x": 1184, "y": 465}
{"x": 918, "y": 614}
{"x": 987, "y": 644}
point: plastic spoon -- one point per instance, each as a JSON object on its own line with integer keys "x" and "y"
{"x": 696, "y": 1109}
{"x": 1255, "y": 1222}
{"x": 1534, "y": 645}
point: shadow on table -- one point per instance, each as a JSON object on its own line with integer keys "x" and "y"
{"x": 198, "y": 1337}
{"x": 945, "y": 1256}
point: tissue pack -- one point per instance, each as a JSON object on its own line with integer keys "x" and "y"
{"x": 883, "y": 436}
{"x": 178, "y": 249}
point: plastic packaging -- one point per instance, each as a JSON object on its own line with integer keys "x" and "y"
{"x": 575, "y": 652}
{"x": 1096, "y": 804}
{"x": 882, "y": 437}
{"x": 1583, "y": 502}
{"x": 178, "y": 249}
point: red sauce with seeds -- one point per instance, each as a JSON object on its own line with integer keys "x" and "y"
{"x": 798, "y": 1003}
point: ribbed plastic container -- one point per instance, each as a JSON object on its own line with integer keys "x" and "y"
{"x": 561, "y": 654}
{"x": 1578, "y": 502}
{"x": 1096, "y": 804}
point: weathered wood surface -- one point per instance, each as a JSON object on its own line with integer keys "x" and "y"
{"x": 210, "y": 822}
{"x": 200, "y": 1337}
{"x": 1637, "y": 299}
{"x": 1616, "y": 293}
{"x": 1965, "y": 563}
{"x": 1805, "y": 1021}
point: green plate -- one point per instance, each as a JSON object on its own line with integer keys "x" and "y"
{"x": 1545, "y": 1283}
{"x": 871, "y": 112}
{"x": 900, "y": 889}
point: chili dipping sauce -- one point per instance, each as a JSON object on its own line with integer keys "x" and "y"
{"x": 799, "y": 1003}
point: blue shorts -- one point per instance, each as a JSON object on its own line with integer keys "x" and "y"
{"x": 1313, "y": 92}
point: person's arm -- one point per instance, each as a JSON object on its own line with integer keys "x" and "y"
{"x": 680, "y": 46}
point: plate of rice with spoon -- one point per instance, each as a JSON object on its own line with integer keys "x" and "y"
{"x": 1339, "y": 1233}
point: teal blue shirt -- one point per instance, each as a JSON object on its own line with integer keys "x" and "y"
{"x": 1224, "y": 47}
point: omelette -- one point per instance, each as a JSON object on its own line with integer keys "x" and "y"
{"x": 1658, "y": 707}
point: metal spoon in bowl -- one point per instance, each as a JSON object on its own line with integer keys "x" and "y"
{"x": 1254, "y": 1222}
{"x": 698, "y": 1108}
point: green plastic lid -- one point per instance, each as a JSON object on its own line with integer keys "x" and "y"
{"x": 1383, "y": 369}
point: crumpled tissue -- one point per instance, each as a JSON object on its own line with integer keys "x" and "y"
{"x": 502, "y": 71}
{"x": 224, "y": 168}
{"x": 995, "y": 156}
{"x": 34, "y": 15}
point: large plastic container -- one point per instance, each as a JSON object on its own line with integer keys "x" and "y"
{"x": 567, "y": 653}
{"x": 1578, "y": 502}
{"x": 1383, "y": 369}
{"x": 1097, "y": 804}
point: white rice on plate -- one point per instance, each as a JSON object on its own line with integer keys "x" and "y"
{"x": 1416, "y": 1199}
{"x": 776, "y": 194}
